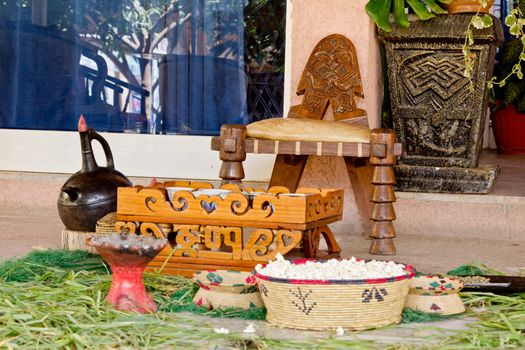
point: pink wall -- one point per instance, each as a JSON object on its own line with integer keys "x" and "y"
{"x": 311, "y": 20}
{"x": 308, "y": 22}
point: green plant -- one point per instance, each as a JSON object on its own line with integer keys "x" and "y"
{"x": 478, "y": 21}
{"x": 380, "y": 10}
{"x": 508, "y": 81}
{"x": 509, "y": 84}
{"x": 509, "y": 71}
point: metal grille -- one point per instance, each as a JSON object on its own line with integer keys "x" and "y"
{"x": 265, "y": 23}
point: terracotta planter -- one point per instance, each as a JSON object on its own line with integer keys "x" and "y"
{"x": 466, "y": 6}
{"x": 509, "y": 130}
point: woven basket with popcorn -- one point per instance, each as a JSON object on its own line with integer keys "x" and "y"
{"x": 350, "y": 293}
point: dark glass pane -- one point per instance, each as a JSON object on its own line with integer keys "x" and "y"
{"x": 264, "y": 56}
{"x": 157, "y": 66}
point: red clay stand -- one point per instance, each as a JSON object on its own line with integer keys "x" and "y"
{"x": 127, "y": 292}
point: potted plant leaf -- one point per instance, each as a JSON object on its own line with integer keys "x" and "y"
{"x": 380, "y": 10}
{"x": 508, "y": 112}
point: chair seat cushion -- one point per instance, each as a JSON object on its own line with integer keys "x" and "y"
{"x": 302, "y": 129}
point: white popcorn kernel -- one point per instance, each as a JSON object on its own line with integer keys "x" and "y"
{"x": 334, "y": 269}
{"x": 250, "y": 329}
{"x": 221, "y": 330}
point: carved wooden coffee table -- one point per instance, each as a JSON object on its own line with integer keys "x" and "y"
{"x": 212, "y": 229}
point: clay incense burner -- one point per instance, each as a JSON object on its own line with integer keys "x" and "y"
{"x": 128, "y": 255}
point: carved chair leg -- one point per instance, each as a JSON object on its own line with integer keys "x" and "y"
{"x": 383, "y": 196}
{"x": 310, "y": 243}
{"x": 360, "y": 172}
{"x": 312, "y": 238}
{"x": 334, "y": 250}
{"x": 232, "y": 153}
{"x": 287, "y": 171}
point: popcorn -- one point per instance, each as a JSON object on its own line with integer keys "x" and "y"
{"x": 221, "y": 330}
{"x": 250, "y": 329}
{"x": 333, "y": 269}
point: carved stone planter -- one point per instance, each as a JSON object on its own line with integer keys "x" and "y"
{"x": 437, "y": 119}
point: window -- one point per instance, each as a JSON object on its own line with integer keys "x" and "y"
{"x": 140, "y": 66}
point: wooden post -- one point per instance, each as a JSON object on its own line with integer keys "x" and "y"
{"x": 232, "y": 153}
{"x": 311, "y": 242}
{"x": 360, "y": 172}
{"x": 287, "y": 171}
{"x": 312, "y": 238}
{"x": 383, "y": 159}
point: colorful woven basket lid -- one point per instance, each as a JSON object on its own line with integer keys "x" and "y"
{"x": 435, "y": 285}
{"x": 226, "y": 280}
{"x": 435, "y": 294}
{"x": 226, "y": 289}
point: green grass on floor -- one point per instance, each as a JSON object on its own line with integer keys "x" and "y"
{"x": 49, "y": 301}
{"x": 37, "y": 262}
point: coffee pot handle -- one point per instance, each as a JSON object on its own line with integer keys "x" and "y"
{"x": 93, "y": 135}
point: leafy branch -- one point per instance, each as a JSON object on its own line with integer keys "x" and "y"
{"x": 507, "y": 81}
{"x": 514, "y": 50}
{"x": 477, "y": 21}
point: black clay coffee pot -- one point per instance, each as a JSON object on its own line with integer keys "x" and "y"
{"x": 90, "y": 193}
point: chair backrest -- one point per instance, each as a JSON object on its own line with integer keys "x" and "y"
{"x": 331, "y": 76}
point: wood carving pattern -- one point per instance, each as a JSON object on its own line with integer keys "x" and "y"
{"x": 436, "y": 103}
{"x": 218, "y": 238}
{"x": 318, "y": 207}
{"x": 130, "y": 226}
{"x": 264, "y": 244}
{"x": 331, "y": 76}
{"x": 258, "y": 244}
{"x": 275, "y": 206}
{"x": 224, "y": 242}
{"x": 151, "y": 229}
{"x": 186, "y": 239}
{"x": 208, "y": 231}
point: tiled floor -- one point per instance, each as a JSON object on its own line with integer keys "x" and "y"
{"x": 511, "y": 181}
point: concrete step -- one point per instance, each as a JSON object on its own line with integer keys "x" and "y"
{"x": 497, "y": 215}
{"x": 467, "y": 216}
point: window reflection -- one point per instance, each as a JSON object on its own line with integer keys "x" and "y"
{"x": 155, "y": 66}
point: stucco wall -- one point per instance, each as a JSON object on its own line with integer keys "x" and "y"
{"x": 307, "y": 23}
{"x": 311, "y": 20}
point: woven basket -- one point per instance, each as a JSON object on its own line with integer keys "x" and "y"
{"x": 434, "y": 294}
{"x": 321, "y": 304}
{"x": 226, "y": 289}
{"x": 106, "y": 224}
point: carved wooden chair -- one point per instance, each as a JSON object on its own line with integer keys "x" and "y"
{"x": 331, "y": 77}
